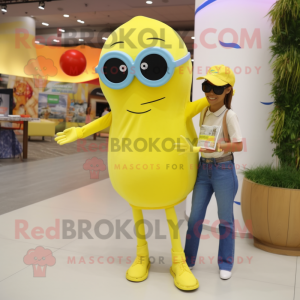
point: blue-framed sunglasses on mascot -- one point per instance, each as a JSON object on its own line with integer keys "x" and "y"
{"x": 153, "y": 67}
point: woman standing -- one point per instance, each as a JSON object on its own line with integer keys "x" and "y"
{"x": 216, "y": 170}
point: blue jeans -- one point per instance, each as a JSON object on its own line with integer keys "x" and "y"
{"x": 221, "y": 179}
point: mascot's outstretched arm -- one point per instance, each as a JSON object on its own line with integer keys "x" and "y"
{"x": 194, "y": 108}
{"x": 74, "y": 133}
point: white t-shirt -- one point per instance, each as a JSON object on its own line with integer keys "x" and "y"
{"x": 105, "y": 113}
{"x": 233, "y": 127}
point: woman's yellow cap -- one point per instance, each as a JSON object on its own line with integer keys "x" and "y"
{"x": 220, "y": 75}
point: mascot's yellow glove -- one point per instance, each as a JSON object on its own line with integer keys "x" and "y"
{"x": 75, "y": 133}
{"x": 187, "y": 146}
{"x": 69, "y": 135}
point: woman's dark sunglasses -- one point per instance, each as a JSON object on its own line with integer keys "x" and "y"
{"x": 218, "y": 90}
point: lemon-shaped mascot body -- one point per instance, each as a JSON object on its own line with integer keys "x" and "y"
{"x": 145, "y": 73}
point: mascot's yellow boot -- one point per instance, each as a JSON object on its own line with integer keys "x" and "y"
{"x": 141, "y": 265}
{"x": 184, "y": 279}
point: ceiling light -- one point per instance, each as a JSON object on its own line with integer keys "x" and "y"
{"x": 66, "y": 16}
{"x": 192, "y": 37}
{"x": 56, "y": 41}
{"x": 61, "y": 30}
{"x": 42, "y": 5}
{"x": 45, "y": 24}
{"x": 4, "y": 8}
{"x": 149, "y": 2}
{"x": 80, "y": 21}
{"x": 104, "y": 38}
{"x": 81, "y": 40}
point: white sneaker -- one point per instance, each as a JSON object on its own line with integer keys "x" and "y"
{"x": 191, "y": 268}
{"x": 225, "y": 274}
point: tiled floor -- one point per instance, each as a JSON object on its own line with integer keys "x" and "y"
{"x": 32, "y": 181}
{"x": 95, "y": 267}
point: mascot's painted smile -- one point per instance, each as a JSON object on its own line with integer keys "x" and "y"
{"x": 134, "y": 112}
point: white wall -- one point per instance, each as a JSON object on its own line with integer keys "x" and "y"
{"x": 237, "y": 18}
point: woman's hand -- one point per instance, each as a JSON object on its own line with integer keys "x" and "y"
{"x": 218, "y": 149}
{"x": 226, "y": 147}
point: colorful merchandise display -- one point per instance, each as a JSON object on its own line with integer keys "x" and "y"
{"x": 63, "y": 103}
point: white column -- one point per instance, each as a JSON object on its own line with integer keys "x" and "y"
{"x": 17, "y": 44}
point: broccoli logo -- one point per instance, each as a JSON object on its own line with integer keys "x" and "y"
{"x": 39, "y": 258}
{"x": 40, "y": 68}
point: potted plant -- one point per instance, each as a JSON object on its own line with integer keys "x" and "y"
{"x": 271, "y": 195}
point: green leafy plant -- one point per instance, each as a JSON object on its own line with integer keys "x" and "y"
{"x": 284, "y": 177}
{"x": 285, "y": 117}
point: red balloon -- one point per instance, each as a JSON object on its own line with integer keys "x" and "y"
{"x": 73, "y": 62}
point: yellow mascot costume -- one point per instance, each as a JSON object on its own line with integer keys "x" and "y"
{"x": 145, "y": 73}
